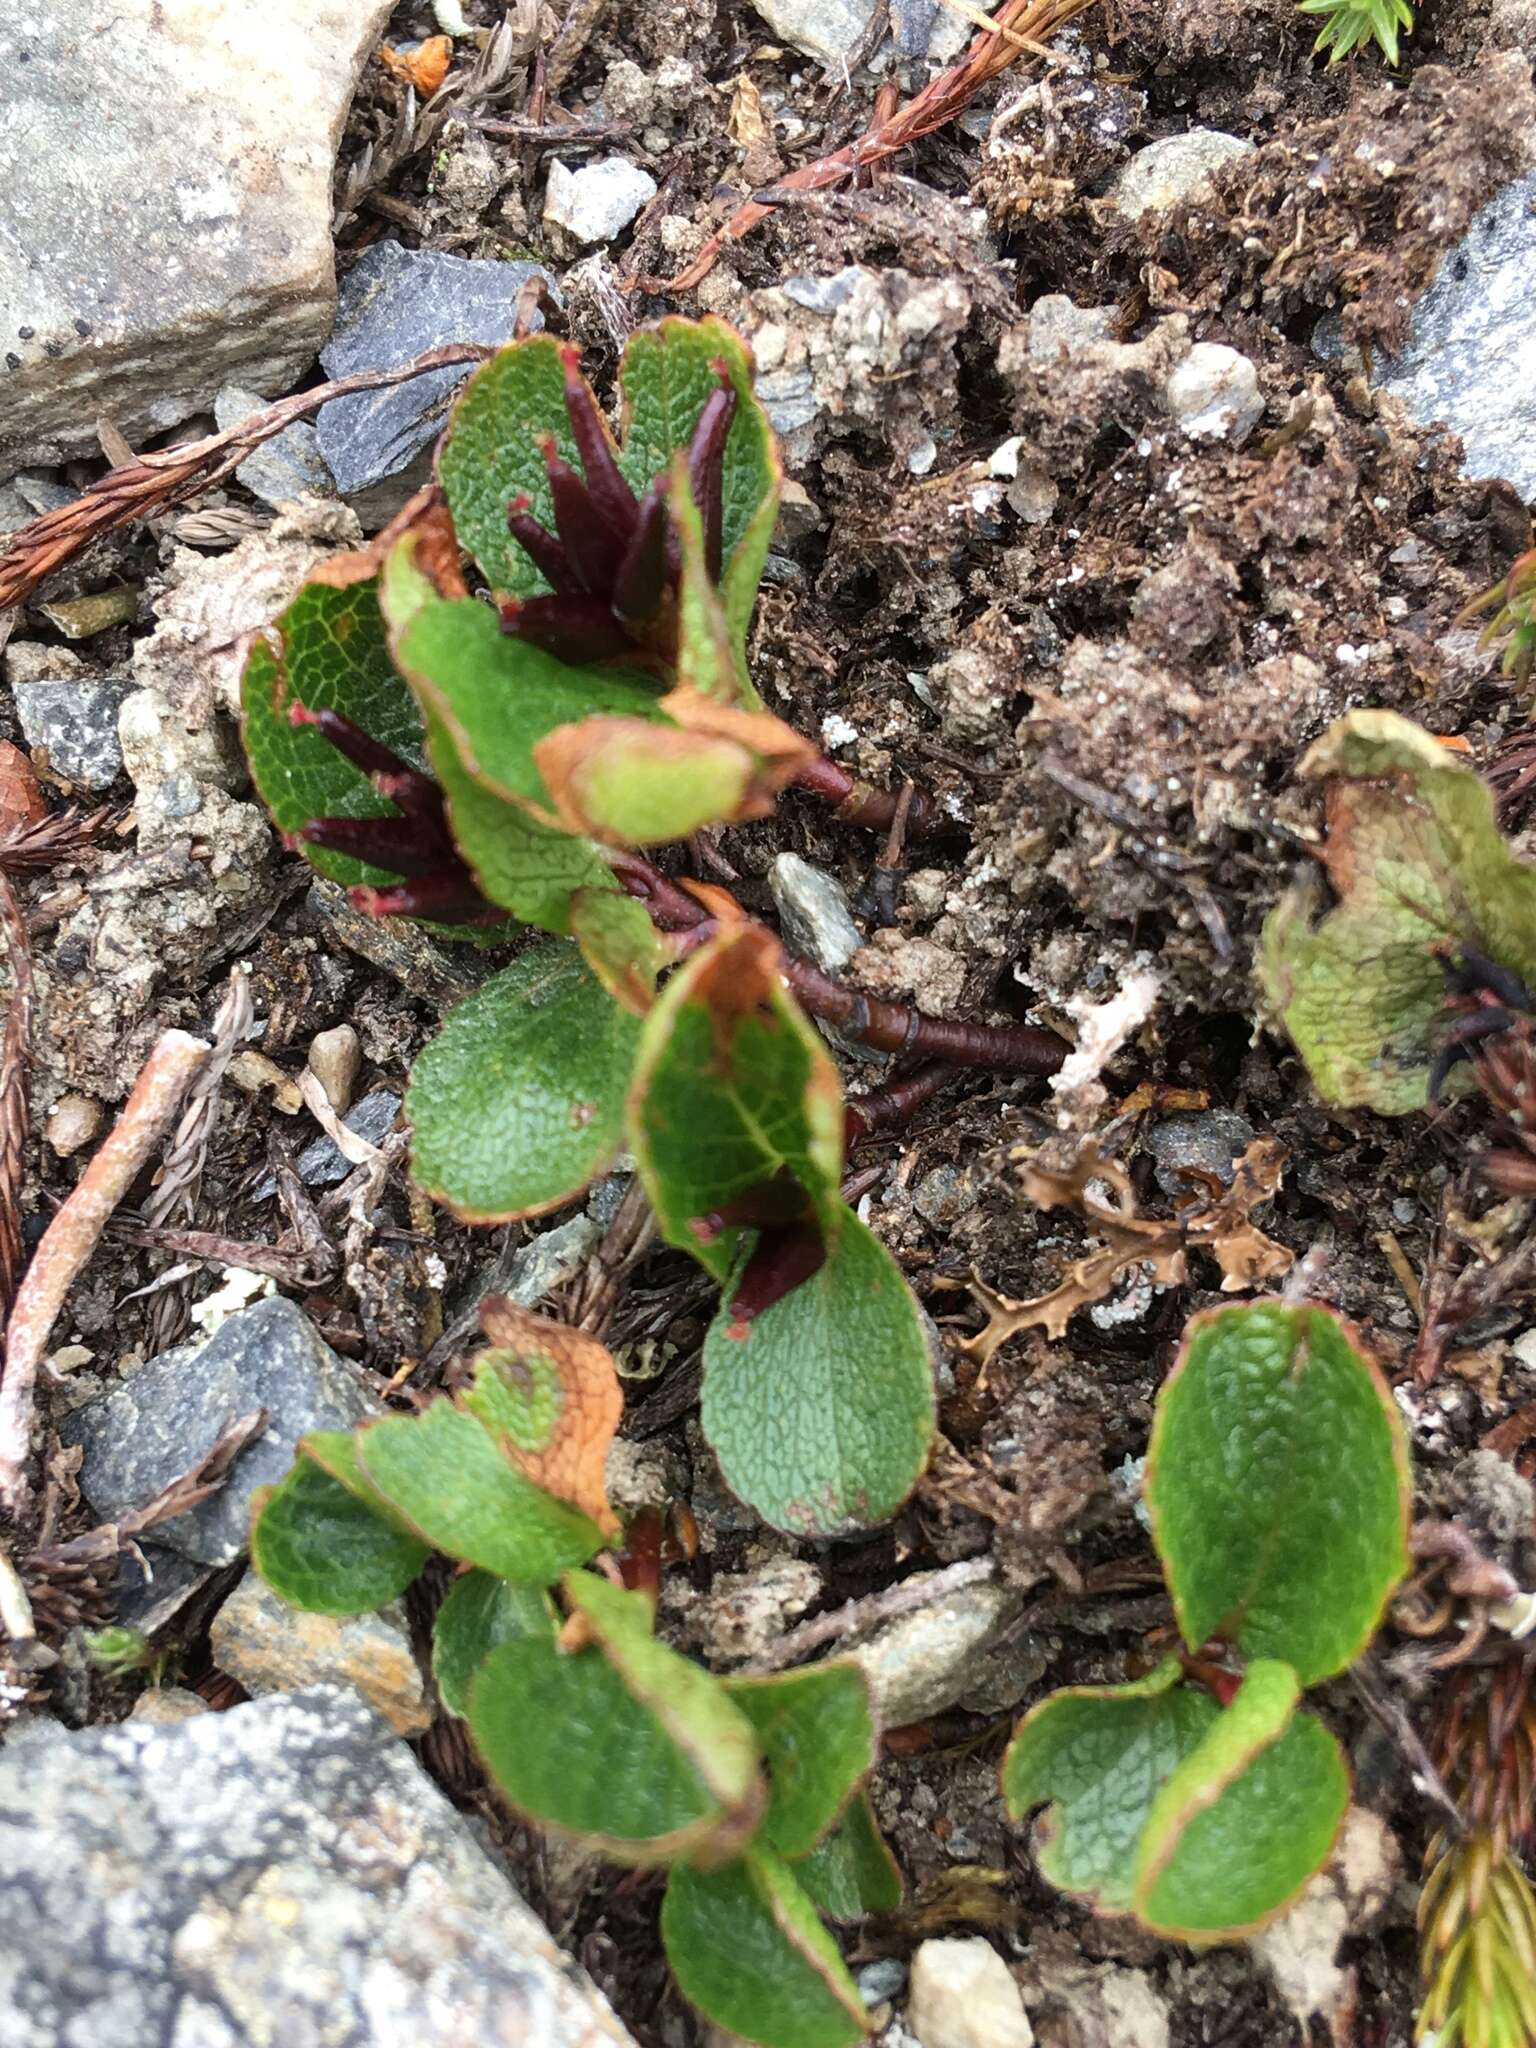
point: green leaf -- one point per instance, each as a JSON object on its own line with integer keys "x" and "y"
{"x": 442, "y": 1472}
{"x": 320, "y": 1547}
{"x": 732, "y": 1088}
{"x": 480, "y": 1613}
{"x": 1277, "y": 1481}
{"x": 490, "y": 455}
{"x": 1415, "y": 858}
{"x": 817, "y": 1731}
{"x": 851, "y": 1871}
{"x": 821, "y": 1411}
{"x": 620, "y": 945}
{"x": 334, "y": 657}
{"x": 519, "y": 1100}
{"x": 622, "y": 1742}
{"x": 1096, "y": 1756}
{"x": 747, "y": 1949}
{"x": 1245, "y": 1819}
{"x": 709, "y": 660}
{"x": 497, "y": 696}
{"x": 666, "y": 378}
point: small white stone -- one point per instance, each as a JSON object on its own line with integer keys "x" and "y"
{"x": 600, "y": 200}
{"x": 1214, "y": 393}
{"x": 836, "y": 731}
{"x": 240, "y": 1288}
{"x": 963, "y": 1996}
{"x": 1176, "y": 168}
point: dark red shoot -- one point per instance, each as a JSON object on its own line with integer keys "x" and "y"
{"x": 613, "y": 562}
{"x": 414, "y": 844}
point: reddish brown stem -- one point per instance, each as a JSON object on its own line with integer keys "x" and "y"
{"x": 859, "y": 803}
{"x": 886, "y": 1109}
{"x": 887, "y": 1027}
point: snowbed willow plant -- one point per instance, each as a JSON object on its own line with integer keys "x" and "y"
{"x": 1199, "y": 1797}
{"x": 490, "y": 766}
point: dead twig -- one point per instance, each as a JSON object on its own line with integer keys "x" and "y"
{"x": 288, "y": 1268}
{"x": 1015, "y": 23}
{"x": 174, "y": 1197}
{"x": 171, "y": 475}
{"x": 70, "y": 1239}
{"x": 189, "y": 1490}
{"x": 903, "y": 1598}
{"x": 15, "y": 1061}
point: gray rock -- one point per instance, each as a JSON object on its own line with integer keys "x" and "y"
{"x": 921, "y": 1663}
{"x": 167, "y": 180}
{"x": 1473, "y": 334}
{"x": 153, "y": 1584}
{"x": 284, "y": 468}
{"x": 881, "y": 1980}
{"x": 598, "y": 201}
{"x": 161, "y": 1419}
{"x": 322, "y": 1165}
{"x": 1211, "y": 1141}
{"x": 395, "y": 304}
{"x": 813, "y": 911}
{"x": 25, "y": 497}
{"x": 284, "y": 1872}
{"x": 826, "y": 29}
{"x": 272, "y": 1647}
{"x": 77, "y": 722}
{"x": 1214, "y": 393}
{"x": 942, "y": 1195}
{"x": 1176, "y": 168}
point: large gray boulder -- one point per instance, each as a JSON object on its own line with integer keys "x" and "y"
{"x": 1469, "y": 353}
{"x": 166, "y": 225}
{"x": 284, "y": 1875}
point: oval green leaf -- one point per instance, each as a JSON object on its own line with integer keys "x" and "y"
{"x": 333, "y": 657}
{"x": 747, "y": 1949}
{"x": 519, "y": 1100}
{"x": 443, "y": 1474}
{"x": 1095, "y": 1758}
{"x": 1244, "y": 1820}
{"x": 479, "y": 1613}
{"x": 1278, "y": 1485}
{"x": 821, "y": 1411}
{"x": 817, "y": 1731}
{"x": 732, "y": 1088}
{"x": 851, "y": 1871}
{"x": 320, "y": 1547}
{"x": 621, "y": 1742}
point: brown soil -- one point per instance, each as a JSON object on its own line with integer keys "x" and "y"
{"x": 1105, "y": 668}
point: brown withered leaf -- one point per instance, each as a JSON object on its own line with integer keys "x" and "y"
{"x": 22, "y": 802}
{"x": 1221, "y": 1225}
{"x": 552, "y": 1396}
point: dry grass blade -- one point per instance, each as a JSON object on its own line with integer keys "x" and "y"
{"x": 175, "y": 1194}
{"x": 1016, "y": 29}
{"x": 188, "y": 1490}
{"x": 170, "y": 475}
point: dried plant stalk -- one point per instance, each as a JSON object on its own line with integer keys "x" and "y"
{"x": 70, "y": 1239}
{"x": 1016, "y": 28}
{"x": 170, "y": 475}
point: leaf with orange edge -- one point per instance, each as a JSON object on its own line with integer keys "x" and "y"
{"x": 551, "y": 1397}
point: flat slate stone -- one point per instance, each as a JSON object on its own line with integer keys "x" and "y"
{"x": 161, "y": 1419}
{"x": 397, "y": 303}
{"x": 1470, "y": 357}
{"x": 282, "y": 1873}
{"x": 166, "y": 225}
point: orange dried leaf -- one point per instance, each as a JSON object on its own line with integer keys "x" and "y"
{"x": 423, "y": 68}
{"x": 552, "y": 1397}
